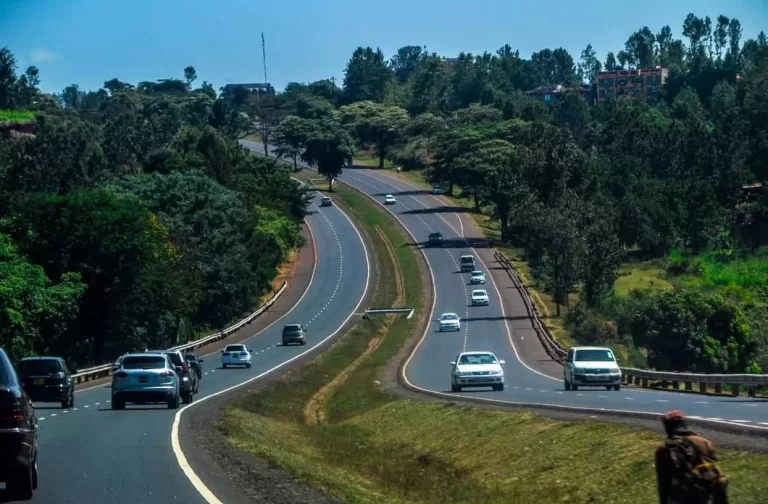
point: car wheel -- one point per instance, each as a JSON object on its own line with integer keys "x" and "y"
{"x": 574, "y": 386}
{"x": 188, "y": 397}
{"x": 455, "y": 388}
{"x": 22, "y": 487}
{"x": 248, "y": 366}
{"x": 567, "y": 383}
{"x": 617, "y": 387}
{"x": 117, "y": 403}
{"x": 498, "y": 388}
{"x": 303, "y": 342}
{"x": 173, "y": 403}
{"x": 224, "y": 366}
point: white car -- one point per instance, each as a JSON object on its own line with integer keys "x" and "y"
{"x": 389, "y": 200}
{"x": 591, "y": 367}
{"x": 449, "y": 322}
{"x": 480, "y": 298}
{"x": 236, "y": 355}
{"x": 477, "y": 369}
{"x": 477, "y": 277}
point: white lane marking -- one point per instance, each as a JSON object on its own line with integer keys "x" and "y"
{"x": 701, "y": 402}
{"x": 763, "y": 423}
{"x": 41, "y": 418}
{"x": 341, "y": 270}
{"x": 65, "y": 412}
{"x": 181, "y": 459}
{"x": 662, "y": 400}
{"x": 715, "y": 419}
{"x": 741, "y": 421}
{"x": 629, "y": 398}
{"x": 53, "y": 414}
{"x": 86, "y": 406}
{"x": 603, "y": 396}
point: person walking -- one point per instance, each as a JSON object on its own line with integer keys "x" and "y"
{"x": 686, "y": 466}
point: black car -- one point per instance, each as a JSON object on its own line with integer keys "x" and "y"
{"x": 188, "y": 380}
{"x": 196, "y": 363}
{"x": 47, "y": 379}
{"x": 436, "y": 239}
{"x": 18, "y": 435}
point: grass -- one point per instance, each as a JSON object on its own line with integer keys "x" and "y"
{"x": 367, "y": 159}
{"x": 254, "y": 137}
{"x": 16, "y": 116}
{"x": 375, "y": 447}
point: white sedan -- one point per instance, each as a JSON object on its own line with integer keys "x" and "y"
{"x": 236, "y": 355}
{"x": 477, "y": 277}
{"x": 449, "y": 322}
{"x": 477, "y": 369}
{"x": 480, "y": 298}
{"x": 389, "y": 200}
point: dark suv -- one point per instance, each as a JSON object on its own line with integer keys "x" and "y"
{"x": 197, "y": 366}
{"x": 436, "y": 239}
{"x": 294, "y": 333}
{"x": 188, "y": 380}
{"x": 47, "y": 379}
{"x": 18, "y": 435}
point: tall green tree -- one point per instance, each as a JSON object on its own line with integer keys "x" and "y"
{"x": 328, "y": 147}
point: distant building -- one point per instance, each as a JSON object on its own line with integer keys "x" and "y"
{"x": 257, "y": 88}
{"x": 642, "y": 81}
{"x": 548, "y": 94}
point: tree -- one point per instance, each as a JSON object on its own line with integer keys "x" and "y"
{"x": 71, "y": 96}
{"x": 374, "y": 125}
{"x": 589, "y": 65}
{"x": 329, "y": 147}
{"x": 290, "y": 137}
{"x": 406, "y": 61}
{"x": 190, "y": 75}
{"x": 7, "y": 78}
{"x": 366, "y": 76}
{"x": 35, "y": 313}
{"x": 603, "y": 256}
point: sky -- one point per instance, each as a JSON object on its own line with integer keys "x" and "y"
{"x": 91, "y": 41}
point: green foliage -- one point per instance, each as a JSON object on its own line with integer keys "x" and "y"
{"x": 16, "y": 116}
{"x": 132, "y": 218}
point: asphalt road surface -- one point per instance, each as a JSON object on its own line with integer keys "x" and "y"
{"x": 486, "y": 327}
{"x": 95, "y": 454}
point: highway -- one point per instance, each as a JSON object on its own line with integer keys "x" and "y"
{"x": 95, "y": 454}
{"x": 488, "y": 328}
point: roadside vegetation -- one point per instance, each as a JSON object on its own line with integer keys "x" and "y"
{"x": 600, "y": 205}
{"x": 333, "y": 422}
{"x": 130, "y": 217}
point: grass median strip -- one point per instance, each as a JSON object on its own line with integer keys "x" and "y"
{"x": 332, "y": 422}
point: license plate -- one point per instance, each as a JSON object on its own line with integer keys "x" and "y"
{"x": 143, "y": 379}
{"x": 597, "y": 378}
{"x": 38, "y": 381}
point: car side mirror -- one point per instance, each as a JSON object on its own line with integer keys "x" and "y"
{"x": 179, "y": 369}
{"x": 304, "y": 328}
{"x": 201, "y": 361}
{"x": 618, "y": 361}
{"x": 221, "y": 351}
{"x": 502, "y": 361}
{"x": 250, "y": 350}
{"x": 453, "y": 363}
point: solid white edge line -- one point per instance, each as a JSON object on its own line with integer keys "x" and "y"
{"x": 311, "y": 279}
{"x": 204, "y": 491}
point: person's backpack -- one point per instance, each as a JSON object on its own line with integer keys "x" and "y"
{"x": 697, "y": 476}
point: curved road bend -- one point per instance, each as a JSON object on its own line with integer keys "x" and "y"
{"x": 95, "y": 454}
{"x": 484, "y": 327}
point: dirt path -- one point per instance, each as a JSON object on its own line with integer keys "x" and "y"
{"x": 314, "y": 412}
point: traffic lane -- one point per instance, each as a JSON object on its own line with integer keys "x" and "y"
{"x": 152, "y": 429}
{"x": 519, "y": 320}
{"x": 118, "y": 456}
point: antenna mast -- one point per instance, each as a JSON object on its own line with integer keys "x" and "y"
{"x": 264, "y": 56}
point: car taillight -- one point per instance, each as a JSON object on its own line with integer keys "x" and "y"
{"x": 184, "y": 367}
{"x": 121, "y": 374}
{"x": 16, "y": 413}
{"x": 166, "y": 373}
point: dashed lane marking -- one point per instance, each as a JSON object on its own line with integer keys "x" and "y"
{"x": 341, "y": 271}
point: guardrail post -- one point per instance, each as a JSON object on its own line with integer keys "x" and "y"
{"x": 688, "y": 386}
{"x": 703, "y": 387}
{"x": 644, "y": 382}
{"x": 718, "y": 388}
{"x": 752, "y": 391}
{"x": 735, "y": 389}
{"x": 676, "y": 385}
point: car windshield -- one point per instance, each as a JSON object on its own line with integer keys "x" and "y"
{"x": 175, "y": 358}
{"x": 467, "y": 259}
{"x": 190, "y": 357}
{"x": 593, "y": 356}
{"x": 477, "y": 273}
{"x": 450, "y": 316}
{"x": 144, "y": 362}
{"x": 478, "y": 293}
{"x": 478, "y": 359}
{"x": 292, "y": 328}
{"x": 4, "y": 369}
{"x": 235, "y": 348}
{"x": 40, "y": 367}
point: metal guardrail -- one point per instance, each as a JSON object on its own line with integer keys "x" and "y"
{"x": 645, "y": 378}
{"x": 104, "y": 370}
{"x": 550, "y": 344}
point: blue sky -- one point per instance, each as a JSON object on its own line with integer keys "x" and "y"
{"x": 90, "y": 41}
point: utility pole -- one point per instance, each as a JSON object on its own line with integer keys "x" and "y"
{"x": 264, "y": 56}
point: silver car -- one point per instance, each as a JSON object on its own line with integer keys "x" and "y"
{"x": 145, "y": 378}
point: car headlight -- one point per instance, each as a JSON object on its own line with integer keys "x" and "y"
{"x": 581, "y": 371}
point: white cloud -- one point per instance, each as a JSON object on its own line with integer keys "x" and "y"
{"x": 42, "y": 56}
